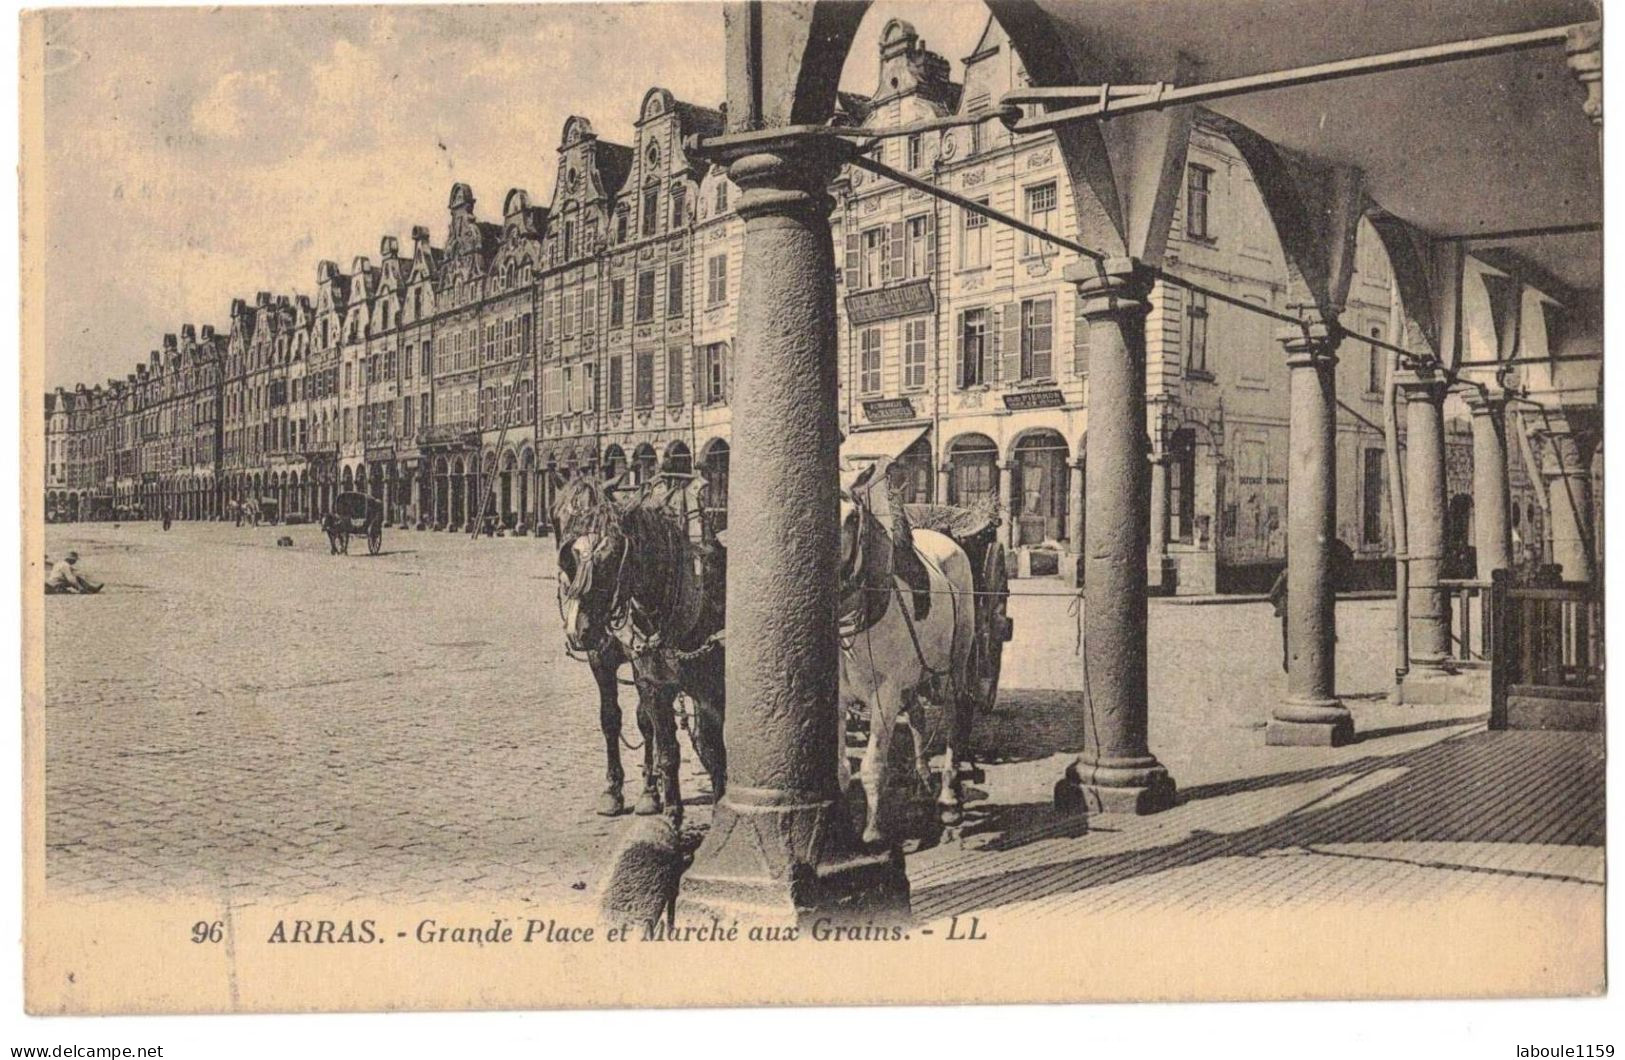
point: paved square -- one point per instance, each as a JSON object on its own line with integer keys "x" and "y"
{"x": 262, "y": 723}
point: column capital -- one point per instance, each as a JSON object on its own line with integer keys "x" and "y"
{"x": 1422, "y": 383}
{"x": 1310, "y": 344}
{"x": 1113, "y": 287}
{"x": 786, "y": 173}
{"x": 1485, "y": 401}
{"x": 1584, "y": 50}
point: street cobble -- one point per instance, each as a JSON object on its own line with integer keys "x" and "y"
{"x": 262, "y": 723}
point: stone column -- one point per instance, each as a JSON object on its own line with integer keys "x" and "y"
{"x": 1491, "y": 493}
{"x": 1006, "y": 473}
{"x": 1156, "y": 562}
{"x": 1566, "y": 467}
{"x": 945, "y": 476}
{"x": 1116, "y": 772}
{"x": 1311, "y": 713}
{"x": 1425, "y": 503}
{"x": 1075, "y": 503}
{"x": 781, "y": 846}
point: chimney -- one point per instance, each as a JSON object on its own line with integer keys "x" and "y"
{"x": 908, "y": 67}
{"x": 169, "y": 344}
{"x": 208, "y": 333}
{"x": 262, "y": 300}
{"x": 188, "y": 334}
{"x": 388, "y": 248}
{"x": 420, "y": 239}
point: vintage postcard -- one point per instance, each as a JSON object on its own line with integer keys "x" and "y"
{"x": 816, "y": 502}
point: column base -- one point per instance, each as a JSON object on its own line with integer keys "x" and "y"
{"x": 1137, "y": 786}
{"x": 1428, "y": 685}
{"x": 787, "y": 859}
{"x": 1316, "y": 723}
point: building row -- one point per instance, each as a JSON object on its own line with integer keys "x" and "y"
{"x": 595, "y": 334}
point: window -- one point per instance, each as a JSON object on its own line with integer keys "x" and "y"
{"x": 1040, "y": 214}
{"x": 571, "y": 397}
{"x": 428, "y": 358}
{"x": 589, "y": 387}
{"x": 674, "y": 376}
{"x": 567, "y": 316}
{"x": 617, "y": 383}
{"x": 974, "y": 147}
{"x": 1198, "y": 183}
{"x": 617, "y": 303}
{"x": 722, "y": 197}
{"x": 973, "y": 347}
{"x": 1037, "y": 338}
{"x": 1196, "y": 334}
{"x": 872, "y": 265}
{"x": 569, "y": 240}
{"x": 643, "y": 379}
{"x": 551, "y": 401}
{"x": 715, "y": 355}
{"x": 674, "y": 290}
{"x": 406, "y": 363}
{"x": 589, "y": 308}
{"x": 620, "y": 224}
{"x": 919, "y": 242}
{"x": 1372, "y": 489}
{"x": 915, "y": 150}
{"x": 646, "y": 297}
{"x": 716, "y": 280}
{"x": 651, "y": 210}
{"x": 914, "y": 353}
{"x": 1376, "y": 365}
{"x": 679, "y": 206}
{"x": 406, "y": 415}
{"x": 869, "y": 371}
{"x": 976, "y": 240}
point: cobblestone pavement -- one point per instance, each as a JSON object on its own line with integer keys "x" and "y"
{"x": 234, "y": 718}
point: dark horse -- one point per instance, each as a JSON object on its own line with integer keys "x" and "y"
{"x": 336, "y": 543}
{"x": 633, "y": 588}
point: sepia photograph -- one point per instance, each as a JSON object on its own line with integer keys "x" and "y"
{"x": 816, "y": 503}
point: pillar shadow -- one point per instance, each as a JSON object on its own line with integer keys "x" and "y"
{"x": 1482, "y": 787}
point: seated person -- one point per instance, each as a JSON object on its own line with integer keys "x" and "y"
{"x": 65, "y": 578}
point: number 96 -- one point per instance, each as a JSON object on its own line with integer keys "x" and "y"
{"x": 206, "y": 931}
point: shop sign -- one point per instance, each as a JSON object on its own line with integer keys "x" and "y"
{"x": 888, "y": 410}
{"x": 1034, "y": 399}
{"x": 378, "y": 454}
{"x": 910, "y": 299}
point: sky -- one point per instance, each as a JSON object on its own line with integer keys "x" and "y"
{"x": 194, "y": 156}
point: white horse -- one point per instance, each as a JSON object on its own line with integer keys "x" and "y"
{"x": 906, "y": 628}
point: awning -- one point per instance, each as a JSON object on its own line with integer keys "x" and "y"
{"x": 861, "y": 446}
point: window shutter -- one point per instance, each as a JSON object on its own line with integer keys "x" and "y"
{"x": 959, "y": 352}
{"x": 698, "y": 393}
{"x": 1010, "y": 339}
{"x": 931, "y": 241}
{"x": 1044, "y": 357}
{"x": 1080, "y": 338}
{"x": 854, "y": 260}
{"x": 550, "y": 392}
{"x": 899, "y": 250}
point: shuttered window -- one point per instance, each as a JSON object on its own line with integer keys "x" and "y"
{"x": 716, "y": 279}
{"x": 674, "y": 290}
{"x": 551, "y": 398}
{"x": 674, "y": 376}
{"x": 1037, "y": 338}
{"x": 869, "y": 369}
{"x": 646, "y": 297}
{"x": 617, "y": 303}
{"x": 973, "y": 343}
{"x": 617, "y": 383}
{"x": 1196, "y": 333}
{"x": 920, "y": 248}
{"x": 914, "y": 354}
{"x": 1041, "y": 213}
{"x": 643, "y": 379}
{"x": 873, "y": 267}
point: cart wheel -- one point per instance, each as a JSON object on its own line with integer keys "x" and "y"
{"x": 992, "y": 627}
{"x": 375, "y": 540}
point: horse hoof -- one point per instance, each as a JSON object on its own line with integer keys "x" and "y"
{"x": 610, "y": 804}
{"x": 647, "y": 806}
